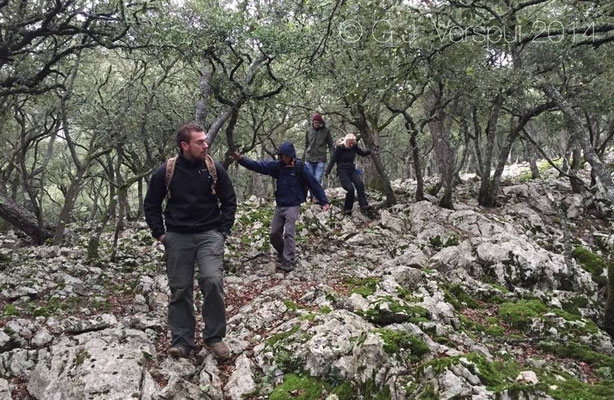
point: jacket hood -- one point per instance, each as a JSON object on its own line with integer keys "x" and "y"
{"x": 287, "y": 149}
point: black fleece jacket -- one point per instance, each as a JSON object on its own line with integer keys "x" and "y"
{"x": 344, "y": 157}
{"x": 192, "y": 207}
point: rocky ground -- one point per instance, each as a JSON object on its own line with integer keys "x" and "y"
{"x": 419, "y": 303}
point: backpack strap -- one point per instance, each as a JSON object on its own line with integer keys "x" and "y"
{"x": 210, "y": 163}
{"x": 170, "y": 170}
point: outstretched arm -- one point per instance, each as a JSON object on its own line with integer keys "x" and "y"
{"x": 262, "y": 167}
{"x": 361, "y": 152}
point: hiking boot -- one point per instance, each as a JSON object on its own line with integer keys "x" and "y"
{"x": 178, "y": 352}
{"x": 220, "y": 350}
{"x": 280, "y": 257}
{"x": 287, "y": 266}
{"x": 368, "y": 211}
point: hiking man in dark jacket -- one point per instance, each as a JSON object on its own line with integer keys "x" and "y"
{"x": 317, "y": 139}
{"x": 292, "y": 178}
{"x": 196, "y": 228}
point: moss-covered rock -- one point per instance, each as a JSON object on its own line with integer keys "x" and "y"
{"x": 520, "y": 314}
{"x": 387, "y": 310}
{"x": 298, "y": 388}
{"x": 395, "y": 342}
{"x": 592, "y": 263}
{"x": 578, "y": 351}
{"x": 455, "y": 295}
{"x": 362, "y": 286}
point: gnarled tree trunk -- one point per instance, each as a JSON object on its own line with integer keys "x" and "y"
{"x": 23, "y": 220}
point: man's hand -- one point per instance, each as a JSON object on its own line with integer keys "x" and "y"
{"x": 326, "y": 207}
{"x": 236, "y": 155}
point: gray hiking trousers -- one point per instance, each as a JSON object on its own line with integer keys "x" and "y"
{"x": 206, "y": 250}
{"x": 283, "y": 231}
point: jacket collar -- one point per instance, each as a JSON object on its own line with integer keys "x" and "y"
{"x": 188, "y": 163}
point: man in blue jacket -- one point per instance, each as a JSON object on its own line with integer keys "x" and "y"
{"x": 193, "y": 230}
{"x": 293, "y": 181}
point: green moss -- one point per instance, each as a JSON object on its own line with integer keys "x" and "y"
{"x": 428, "y": 394}
{"x": 10, "y": 310}
{"x": 574, "y": 304}
{"x": 526, "y": 177}
{"x": 298, "y": 388}
{"x": 395, "y": 341}
{"x": 437, "y": 243}
{"x": 292, "y": 306}
{"x": 496, "y": 299}
{"x": 605, "y": 372}
{"x": 345, "y": 391}
{"x": 496, "y": 376}
{"x": 573, "y": 389}
{"x": 495, "y": 331}
{"x": 307, "y": 317}
{"x": 500, "y": 288}
{"x": 591, "y": 263}
{"x": 444, "y": 340}
{"x": 579, "y": 352}
{"x": 383, "y": 394}
{"x": 5, "y": 258}
{"x": 81, "y": 357}
{"x": 325, "y": 310}
{"x": 364, "y": 287}
{"x": 287, "y": 361}
{"x": 279, "y": 337}
{"x": 455, "y": 295}
{"x": 585, "y": 326}
{"x": 371, "y": 391}
{"x": 520, "y": 314}
{"x": 385, "y": 306}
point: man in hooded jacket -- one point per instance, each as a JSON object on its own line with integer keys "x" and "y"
{"x": 317, "y": 139}
{"x": 293, "y": 180}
